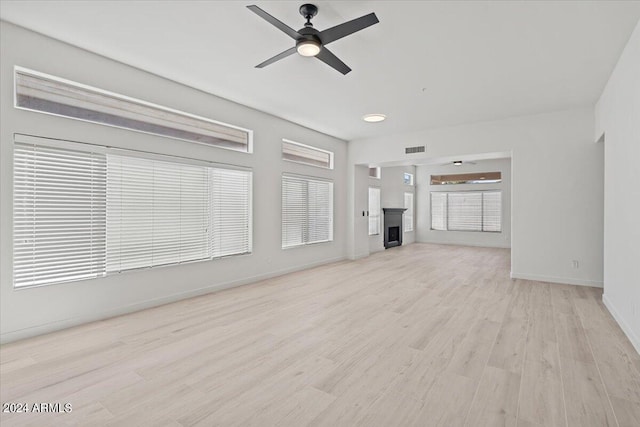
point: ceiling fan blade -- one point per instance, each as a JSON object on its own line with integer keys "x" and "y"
{"x": 275, "y": 22}
{"x": 331, "y": 60}
{"x": 278, "y": 57}
{"x": 339, "y": 31}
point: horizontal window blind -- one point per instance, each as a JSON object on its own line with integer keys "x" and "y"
{"x": 59, "y": 215}
{"x": 307, "y": 211}
{"x": 466, "y": 211}
{"x": 374, "y": 211}
{"x": 230, "y": 206}
{"x": 408, "y": 214}
{"x": 306, "y": 154}
{"x": 48, "y": 94}
{"x": 439, "y": 211}
{"x": 83, "y": 214}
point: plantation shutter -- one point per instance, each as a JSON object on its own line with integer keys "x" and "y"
{"x": 438, "y": 211}
{"x": 374, "y": 211}
{"x": 59, "y": 214}
{"x": 408, "y": 214}
{"x": 307, "y": 211}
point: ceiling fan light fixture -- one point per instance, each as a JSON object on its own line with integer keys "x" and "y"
{"x": 308, "y": 47}
{"x": 457, "y": 163}
{"x": 373, "y": 118}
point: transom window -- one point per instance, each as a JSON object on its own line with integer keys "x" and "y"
{"x": 52, "y": 95}
{"x": 301, "y": 153}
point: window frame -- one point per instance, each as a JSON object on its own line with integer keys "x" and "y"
{"x": 311, "y": 147}
{"x": 481, "y": 211}
{"x": 332, "y": 210}
{"x": 378, "y": 214}
{"x": 410, "y": 209}
{"x": 378, "y": 174}
{"x": 26, "y": 71}
{"x": 101, "y": 149}
{"x": 411, "y": 179}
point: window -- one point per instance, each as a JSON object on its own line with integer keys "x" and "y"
{"x": 467, "y": 178}
{"x": 408, "y": 178}
{"x": 467, "y": 211}
{"x": 307, "y": 211}
{"x": 300, "y": 153}
{"x": 374, "y": 211}
{"x": 84, "y": 211}
{"x": 408, "y": 214}
{"x": 375, "y": 173}
{"x": 52, "y": 95}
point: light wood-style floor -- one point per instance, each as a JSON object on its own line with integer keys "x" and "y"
{"x": 421, "y": 335}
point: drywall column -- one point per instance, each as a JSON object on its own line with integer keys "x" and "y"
{"x": 618, "y": 120}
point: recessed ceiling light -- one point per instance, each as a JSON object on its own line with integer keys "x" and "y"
{"x": 373, "y": 118}
{"x": 457, "y": 163}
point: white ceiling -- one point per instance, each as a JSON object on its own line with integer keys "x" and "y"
{"x": 426, "y": 64}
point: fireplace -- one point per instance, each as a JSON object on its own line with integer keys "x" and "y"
{"x": 393, "y": 227}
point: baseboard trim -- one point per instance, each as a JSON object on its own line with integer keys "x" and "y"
{"x": 474, "y": 245}
{"x": 33, "y": 331}
{"x": 563, "y": 280}
{"x": 635, "y": 340}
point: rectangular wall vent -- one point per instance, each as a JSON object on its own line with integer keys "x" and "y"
{"x": 418, "y": 149}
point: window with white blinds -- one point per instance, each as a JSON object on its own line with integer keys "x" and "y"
{"x": 466, "y": 211}
{"x": 307, "y": 211}
{"x": 408, "y": 214}
{"x": 88, "y": 212}
{"x": 59, "y": 215}
{"x": 52, "y": 95}
{"x": 374, "y": 211}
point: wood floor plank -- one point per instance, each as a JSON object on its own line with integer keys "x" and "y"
{"x": 586, "y": 400}
{"x": 418, "y": 335}
{"x": 496, "y": 399}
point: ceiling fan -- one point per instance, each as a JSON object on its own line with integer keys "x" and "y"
{"x": 460, "y": 162}
{"x": 311, "y": 42}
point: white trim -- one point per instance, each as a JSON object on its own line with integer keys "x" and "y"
{"x": 80, "y": 320}
{"x": 635, "y": 340}
{"x": 563, "y": 280}
{"x": 34, "y": 73}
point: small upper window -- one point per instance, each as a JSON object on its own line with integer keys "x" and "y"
{"x": 408, "y": 178}
{"x": 467, "y": 178}
{"x": 301, "y": 153}
{"x": 374, "y": 172}
{"x": 52, "y": 95}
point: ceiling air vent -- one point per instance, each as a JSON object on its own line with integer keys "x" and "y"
{"x": 418, "y": 149}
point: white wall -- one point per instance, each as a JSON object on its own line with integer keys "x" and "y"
{"x": 618, "y": 118}
{"x": 37, "y": 310}
{"x": 424, "y": 188}
{"x": 557, "y": 185}
{"x": 392, "y": 189}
